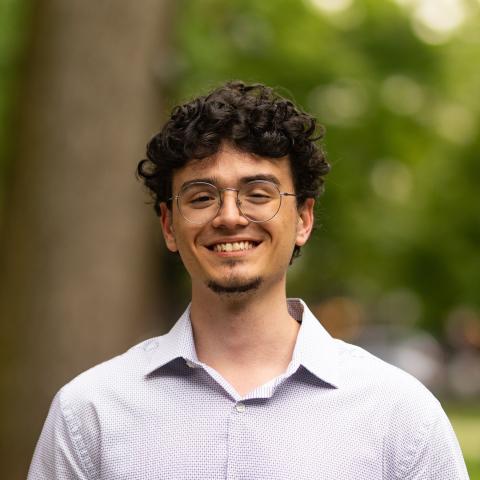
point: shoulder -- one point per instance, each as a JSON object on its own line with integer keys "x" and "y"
{"x": 390, "y": 387}
{"x": 111, "y": 378}
{"x": 417, "y": 437}
{"x": 87, "y": 408}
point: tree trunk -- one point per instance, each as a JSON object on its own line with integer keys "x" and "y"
{"x": 78, "y": 268}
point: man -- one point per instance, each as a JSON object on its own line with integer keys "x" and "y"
{"x": 247, "y": 384}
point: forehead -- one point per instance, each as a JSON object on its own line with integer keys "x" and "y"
{"x": 229, "y": 166}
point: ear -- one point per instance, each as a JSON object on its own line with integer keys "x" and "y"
{"x": 305, "y": 222}
{"x": 167, "y": 227}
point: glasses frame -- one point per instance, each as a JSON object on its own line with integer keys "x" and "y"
{"x": 220, "y": 196}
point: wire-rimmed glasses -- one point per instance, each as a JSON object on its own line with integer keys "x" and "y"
{"x": 258, "y": 201}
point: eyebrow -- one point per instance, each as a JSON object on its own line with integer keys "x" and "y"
{"x": 242, "y": 181}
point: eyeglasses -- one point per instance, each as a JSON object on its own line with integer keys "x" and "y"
{"x": 258, "y": 201}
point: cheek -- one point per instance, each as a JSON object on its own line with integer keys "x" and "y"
{"x": 288, "y": 228}
{"x": 183, "y": 247}
{"x": 185, "y": 241}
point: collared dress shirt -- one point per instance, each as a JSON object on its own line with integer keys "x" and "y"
{"x": 157, "y": 412}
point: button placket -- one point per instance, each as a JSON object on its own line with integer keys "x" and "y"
{"x": 237, "y": 428}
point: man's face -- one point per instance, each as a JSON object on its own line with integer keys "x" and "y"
{"x": 264, "y": 260}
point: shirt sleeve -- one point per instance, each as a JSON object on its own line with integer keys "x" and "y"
{"x": 60, "y": 453}
{"x": 445, "y": 460}
{"x": 421, "y": 443}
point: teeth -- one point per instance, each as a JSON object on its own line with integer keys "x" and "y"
{"x": 233, "y": 247}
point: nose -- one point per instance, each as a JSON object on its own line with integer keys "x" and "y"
{"x": 229, "y": 215}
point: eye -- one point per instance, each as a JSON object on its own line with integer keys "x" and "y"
{"x": 258, "y": 194}
{"x": 201, "y": 200}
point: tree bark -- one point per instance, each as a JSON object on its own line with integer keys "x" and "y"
{"x": 78, "y": 274}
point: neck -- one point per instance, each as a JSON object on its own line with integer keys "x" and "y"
{"x": 244, "y": 334}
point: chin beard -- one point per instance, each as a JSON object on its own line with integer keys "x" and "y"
{"x": 235, "y": 288}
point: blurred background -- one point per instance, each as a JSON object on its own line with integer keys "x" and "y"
{"x": 394, "y": 264}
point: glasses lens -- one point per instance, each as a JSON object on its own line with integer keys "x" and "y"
{"x": 259, "y": 200}
{"x": 199, "y": 202}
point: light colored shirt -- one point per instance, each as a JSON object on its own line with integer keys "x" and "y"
{"x": 157, "y": 412}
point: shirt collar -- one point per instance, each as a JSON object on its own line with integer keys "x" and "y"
{"x": 177, "y": 343}
{"x": 315, "y": 349}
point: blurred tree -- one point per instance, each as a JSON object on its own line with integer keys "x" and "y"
{"x": 77, "y": 281}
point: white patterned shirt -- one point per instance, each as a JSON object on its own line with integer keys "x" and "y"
{"x": 157, "y": 412}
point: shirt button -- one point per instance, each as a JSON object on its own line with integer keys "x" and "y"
{"x": 240, "y": 407}
{"x": 191, "y": 364}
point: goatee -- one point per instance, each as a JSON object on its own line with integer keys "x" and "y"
{"x": 234, "y": 289}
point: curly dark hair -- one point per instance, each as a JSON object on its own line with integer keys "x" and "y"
{"x": 252, "y": 118}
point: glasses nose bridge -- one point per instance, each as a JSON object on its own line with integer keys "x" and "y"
{"x": 228, "y": 189}
{"x": 221, "y": 207}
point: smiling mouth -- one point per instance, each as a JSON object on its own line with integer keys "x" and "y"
{"x": 233, "y": 246}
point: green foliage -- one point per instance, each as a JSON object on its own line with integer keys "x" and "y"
{"x": 401, "y": 108}
{"x": 473, "y": 467}
{"x": 466, "y": 423}
{"x": 13, "y": 17}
